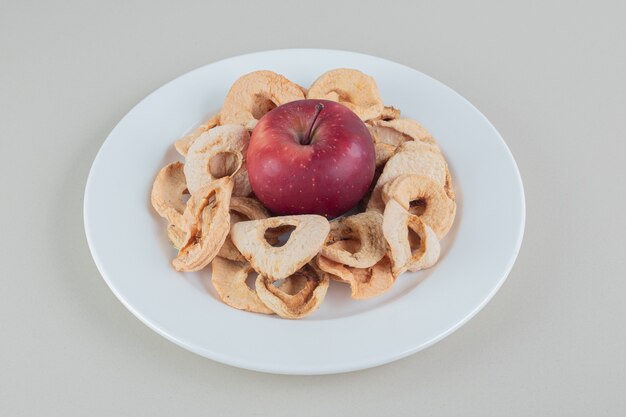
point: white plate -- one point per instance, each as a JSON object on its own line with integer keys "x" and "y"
{"x": 130, "y": 248}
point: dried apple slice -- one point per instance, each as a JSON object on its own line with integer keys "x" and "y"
{"x": 421, "y": 147}
{"x": 397, "y": 131}
{"x": 301, "y": 296}
{"x": 229, "y": 279}
{"x": 412, "y": 244}
{"x": 366, "y": 229}
{"x": 167, "y": 192}
{"x": 279, "y": 262}
{"x": 206, "y": 224}
{"x": 167, "y": 199}
{"x": 241, "y": 209}
{"x": 352, "y": 88}
{"x": 364, "y": 282}
{"x": 437, "y": 209}
{"x": 220, "y": 152}
{"x": 413, "y": 158}
{"x": 255, "y": 94}
{"x": 373, "y": 281}
{"x": 182, "y": 145}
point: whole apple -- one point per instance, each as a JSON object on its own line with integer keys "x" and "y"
{"x": 310, "y": 157}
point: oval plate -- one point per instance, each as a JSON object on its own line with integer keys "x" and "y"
{"x": 131, "y": 250}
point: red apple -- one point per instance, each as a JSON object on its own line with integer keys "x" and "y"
{"x": 310, "y": 157}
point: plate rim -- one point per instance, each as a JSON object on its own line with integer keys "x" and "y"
{"x": 242, "y": 363}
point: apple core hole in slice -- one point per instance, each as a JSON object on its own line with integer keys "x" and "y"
{"x": 261, "y": 106}
{"x": 279, "y": 282}
{"x": 417, "y": 207}
{"x": 224, "y": 164}
{"x": 251, "y": 279}
{"x": 415, "y": 241}
{"x": 340, "y": 96}
{"x": 352, "y": 245}
{"x": 278, "y": 236}
{"x": 291, "y": 285}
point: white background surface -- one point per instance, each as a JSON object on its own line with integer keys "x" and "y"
{"x": 550, "y": 76}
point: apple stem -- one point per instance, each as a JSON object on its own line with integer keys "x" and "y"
{"x": 307, "y": 138}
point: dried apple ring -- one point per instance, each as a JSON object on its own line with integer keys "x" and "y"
{"x": 275, "y": 263}
{"x": 167, "y": 192}
{"x": 229, "y": 279}
{"x": 255, "y": 94}
{"x": 366, "y": 229}
{"x": 412, "y": 244}
{"x": 182, "y": 145}
{"x": 397, "y": 131}
{"x": 300, "y": 297}
{"x": 417, "y": 158}
{"x": 220, "y": 152}
{"x": 429, "y": 147}
{"x": 373, "y": 281}
{"x": 349, "y": 87}
{"x": 438, "y": 209}
{"x": 167, "y": 199}
{"x": 364, "y": 282}
{"x": 206, "y": 224}
{"x": 241, "y": 209}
